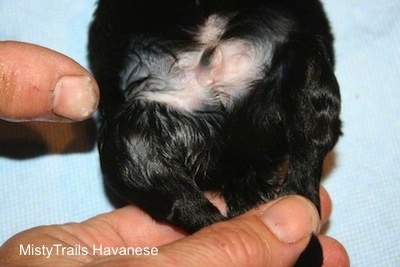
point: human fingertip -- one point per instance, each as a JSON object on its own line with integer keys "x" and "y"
{"x": 326, "y": 205}
{"x": 335, "y": 255}
{"x": 291, "y": 218}
{"x": 75, "y": 97}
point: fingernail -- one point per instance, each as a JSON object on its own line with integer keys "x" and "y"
{"x": 75, "y": 97}
{"x": 291, "y": 218}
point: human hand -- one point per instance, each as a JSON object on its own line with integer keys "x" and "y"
{"x": 265, "y": 236}
{"x": 37, "y": 83}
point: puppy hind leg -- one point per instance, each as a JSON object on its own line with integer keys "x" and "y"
{"x": 311, "y": 106}
{"x": 244, "y": 192}
{"x": 250, "y": 177}
{"x": 180, "y": 204}
{"x": 192, "y": 211}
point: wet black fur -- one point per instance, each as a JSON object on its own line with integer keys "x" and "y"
{"x": 161, "y": 158}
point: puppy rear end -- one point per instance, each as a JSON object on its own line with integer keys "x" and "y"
{"x": 213, "y": 95}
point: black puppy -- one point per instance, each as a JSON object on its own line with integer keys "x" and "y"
{"x": 213, "y": 95}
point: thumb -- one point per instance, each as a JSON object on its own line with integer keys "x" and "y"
{"x": 274, "y": 234}
{"x": 37, "y": 83}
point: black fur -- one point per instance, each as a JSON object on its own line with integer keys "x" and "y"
{"x": 161, "y": 157}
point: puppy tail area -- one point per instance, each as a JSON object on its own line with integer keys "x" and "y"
{"x": 312, "y": 256}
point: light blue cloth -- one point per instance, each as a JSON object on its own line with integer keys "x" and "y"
{"x": 363, "y": 181}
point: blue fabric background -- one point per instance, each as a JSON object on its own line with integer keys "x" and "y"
{"x": 59, "y": 181}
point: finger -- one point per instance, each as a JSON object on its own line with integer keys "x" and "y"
{"x": 326, "y": 203}
{"x": 37, "y": 83}
{"x": 265, "y": 236}
{"x": 335, "y": 254}
{"x": 127, "y": 226}
{"x": 258, "y": 238}
{"x": 152, "y": 233}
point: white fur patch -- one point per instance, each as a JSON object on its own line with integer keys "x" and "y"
{"x": 212, "y": 30}
{"x": 190, "y": 84}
